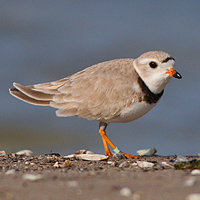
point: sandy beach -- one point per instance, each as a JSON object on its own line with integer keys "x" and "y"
{"x": 57, "y": 177}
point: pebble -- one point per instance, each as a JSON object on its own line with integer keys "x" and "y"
{"x": 194, "y": 196}
{"x": 126, "y": 192}
{"x": 10, "y": 172}
{"x": 147, "y": 152}
{"x": 32, "y": 177}
{"x": 2, "y": 153}
{"x": 124, "y": 164}
{"x": 66, "y": 164}
{"x": 195, "y": 172}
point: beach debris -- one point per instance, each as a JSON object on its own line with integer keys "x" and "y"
{"x": 147, "y": 152}
{"x": 70, "y": 156}
{"x": 95, "y": 157}
{"x": 2, "y": 153}
{"x": 190, "y": 181}
{"x": 194, "y": 196}
{"x": 181, "y": 159}
{"x": 24, "y": 152}
{"x": 66, "y": 164}
{"x": 56, "y": 165}
{"x": 195, "y": 172}
{"x": 165, "y": 165}
{"x": 193, "y": 164}
{"x": 72, "y": 183}
{"x": 124, "y": 164}
{"x": 126, "y": 192}
{"x": 111, "y": 163}
{"x": 83, "y": 151}
{"x": 10, "y": 172}
{"x": 32, "y": 177}
{"x": 145, "y": 164}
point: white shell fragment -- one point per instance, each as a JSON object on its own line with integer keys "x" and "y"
{"x": 32, "y": 177}
{"x": 25, "y": 152}
{"x": 180, "y": 159}
{"x": 144, "y": 164}
{"x": 91, "y": 157}
{"x": 126, "y": 192}
{"x": 10, "y": 172}
{"x": 195, "y": 172}
{"x": 2, "y": 153}
{"x": 165, "y": 165}
{"x": 194, "y": 196}
{"x": 147, "y": 152}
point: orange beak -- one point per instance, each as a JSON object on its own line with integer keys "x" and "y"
{"x": 173, "y": 73}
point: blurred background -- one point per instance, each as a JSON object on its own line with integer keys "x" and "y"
{"x": 42, "y": 41}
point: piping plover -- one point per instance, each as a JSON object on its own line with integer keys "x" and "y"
{"x": 120, "y": 90}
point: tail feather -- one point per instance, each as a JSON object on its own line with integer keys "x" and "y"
{"x": 28, "y": 95}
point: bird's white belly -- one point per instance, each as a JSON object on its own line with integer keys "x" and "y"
{"x": 136, "y": 111}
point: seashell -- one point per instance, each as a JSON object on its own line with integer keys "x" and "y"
{"x": 126, "y": 192}
{"x": 70, "y": 156}
{"x": 195, "y": 172}
{"x": 147, "y": 152}
{"x": 144, "y": 164}
{"x": 91, "y": 157}
{"x": 194, "y": 196}
{"x": 180, "y": 159}
{"x": 2, "y": 153}
{"x": 24, "y": 152}
{"x": 10, "y": 172}
{"x": 166, "y": 165}
{"x": 32, "y": 177}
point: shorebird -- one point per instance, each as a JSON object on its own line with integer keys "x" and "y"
{"x": 120, "y": 90}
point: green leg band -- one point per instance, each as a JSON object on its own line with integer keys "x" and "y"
{"x": 116, "y": 150}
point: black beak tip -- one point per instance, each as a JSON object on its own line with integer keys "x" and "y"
{"x": 177, "y": 75}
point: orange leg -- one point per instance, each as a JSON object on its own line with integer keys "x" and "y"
{"x": 107, "y": 141}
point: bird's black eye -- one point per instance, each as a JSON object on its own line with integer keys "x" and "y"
{"x": 153, "y": 64}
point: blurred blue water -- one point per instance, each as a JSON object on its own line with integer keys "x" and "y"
{"x": 46, "y": 40}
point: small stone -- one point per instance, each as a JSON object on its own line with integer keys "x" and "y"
{"x": 2, "y": 153}
{"x": 194, "y": 196}
{"x": 124, "y": 164}
{"x": 195, "y": 172}
{"x": 111, "y": 163}
{"x": 56, "y": 165}
{"x": 32, "y": 177}
{"x": 26, "y": 163}
{"x": 126, "y": 192}
{"x": 66, "y": 164}
{"x": 10, "y": 172}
